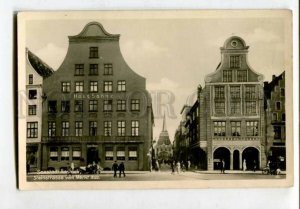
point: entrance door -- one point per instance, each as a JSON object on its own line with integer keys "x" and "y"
{"x": 236, "y": 160}
{"x": 92, "y": 155}
{"x": 251, "y": 155}
{"x": 221, "y": 153}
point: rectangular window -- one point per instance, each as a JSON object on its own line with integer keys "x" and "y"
{"x": 227, "y": 75}
{"x": 107, "y": 128}
{"x": 250, "y": 107}
{"x": 108, "y": 69}
{"x": 120, "y": 153}
{"x": 132, "y": 153}
{"x": 32, "y": 94}
{"x": 107, "y": 107}
{"x": 108, "y": 86}
{"x": 94, "y": 52}
{"x": 93, "y": 105}
{"x": 78, "y": 106}
{"x": 219, "y": 92}
{"x": 278, "y": 105}
{"x": 235, "y": 128}
{"x": 282, "y": 92}
{"x": 78, "y": 128}
{"x": 242, "y": 75}
{"x": 93, "y": 128}
{"x": 52, "y": 106}
{"x": 30, "y": 79}
{"x": 65, "y": 153}
{"x": 93, "y": 69}
{"x": 79, "y": 69}
{"x": 32, "y": 129}
{"x": 93, "y": 86}
{"x": 79, "y": 86}
{"x": 121, "y": 128}
{"x": 277, "y": 132}
{"x": 250, "y": 92}
{"x": 235, "y": 107}
{"x": 51, "y": 128}
{"x": 65, "y": 128}
{"x": 235, "y": 62}
{"x": 65, "y": 106}
{"x": 235, "y": 92}
{"x": 65, "y": 87}
{"x": 220, "y": 107}
{"x": 109, "y": 153}
{"x": 121, "y": 85}
{"x": 134, "y": 128}
{"x": 251, "y": 128}
{"x": 135, "y": 104}
{"x": 76, "y": 153}
{"x": 219, "y": 128}
{"x": 53, "y": 154}
{"x": 121, "y": 105}
{"x": 31, "y": 109}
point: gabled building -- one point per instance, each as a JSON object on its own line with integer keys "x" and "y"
{"x": 97, "y": 109}
{"x": 36, "y": 71}
{"x": 275, "y": 119}
{"x": 232, "y": 111}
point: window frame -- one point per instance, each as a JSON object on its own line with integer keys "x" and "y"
{"x": 108, "y": 86}
{"x": 135, "y": 126}
{"x": 93, "y": 105}
{"x": 94, "y": 52}
{"x": 79, "y": 86}
{"x": 107, "y": 128}
{"x": 79, "y": 70}
{"x": 108, "y": 69}
{"x": 107, "y": 105}
{"x": 65, "y": 128}
{"x": 135, "y": 105}
{"x": 65, "y": 86}
{"x": 32, "y": 109}
{"x": 121, "y": 86}
{"x": 121, "y": 128}
{"x": 32, "y": 129}
{"x": 78, "y": 128}
{"x": 94, "y": 69}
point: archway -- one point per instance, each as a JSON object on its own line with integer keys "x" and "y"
{"x": 236, "y": 160}
{"x": 221, "y": 153}
{"x": 251, "y": 155}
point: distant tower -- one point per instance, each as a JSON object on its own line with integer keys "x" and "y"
{"x": 164, "y": 147}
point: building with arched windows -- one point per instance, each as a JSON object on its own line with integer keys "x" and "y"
{"x": 231, "y": 111}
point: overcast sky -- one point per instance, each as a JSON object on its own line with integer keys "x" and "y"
{"x": 173, "y": 55}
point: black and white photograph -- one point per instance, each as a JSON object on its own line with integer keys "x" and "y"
{"x": 169, "y": 99}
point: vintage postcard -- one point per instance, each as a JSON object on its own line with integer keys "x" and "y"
{"x": 155, "y": 99}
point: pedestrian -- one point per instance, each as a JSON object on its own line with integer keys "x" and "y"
{"x": 244, "y": 165}
{"x": 115, "y": 168}
{"x": 254, "y": 165}
{"x": 182, "y": 166}
{"x": 178, "y": 167}
{"x": 121, "y": 169}
{"x": 27, "y": 167}
{"x": 188, "y": 164}
{"x": 156, "y": 165}
{"x": 172, "y": 167}
{"x": 223, "y": 166}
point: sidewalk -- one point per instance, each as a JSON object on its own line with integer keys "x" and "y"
{"x": 258, "y": 172}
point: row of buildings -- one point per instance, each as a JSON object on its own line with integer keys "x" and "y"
{"x": 93, "y": 108}
{"x": 236, "y": 117}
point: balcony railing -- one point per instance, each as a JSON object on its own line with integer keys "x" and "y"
{"x": 237, "y": 138}
{"x": 98, "y": 139}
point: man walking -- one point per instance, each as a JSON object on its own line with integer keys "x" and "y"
{"x": 122, "y": 169}
{"x": 115, "y": 168}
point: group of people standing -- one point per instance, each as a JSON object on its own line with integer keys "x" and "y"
{"x": 120, "y": 168}
{"x": 180, "y": 166}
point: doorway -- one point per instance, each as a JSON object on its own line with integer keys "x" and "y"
{"x": 92, "y": 155}
{"x": 236, "y": 160}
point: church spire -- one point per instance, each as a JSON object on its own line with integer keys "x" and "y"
{"x": 164, "y": 128}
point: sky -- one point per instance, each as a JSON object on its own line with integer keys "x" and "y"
{"x": 174, "y": 55}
